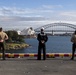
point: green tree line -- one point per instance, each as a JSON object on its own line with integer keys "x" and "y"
{"x": 14, "y": 37}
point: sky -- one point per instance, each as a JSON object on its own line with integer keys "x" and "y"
{"x": 21, "y": 14}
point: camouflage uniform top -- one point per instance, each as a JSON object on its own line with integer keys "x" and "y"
{"x": 73, "y": 38}
{"x": 3, "y": 36}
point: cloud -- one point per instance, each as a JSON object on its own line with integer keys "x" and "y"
{"x": 52, "y": 6}
{"x": 12, "y": 17}
{"x": 9, "y": 11}
{"x": 19, "y": 18}
{"x": 69, "y": 13}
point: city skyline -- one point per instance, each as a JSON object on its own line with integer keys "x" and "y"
{"x": 20, "y": 14}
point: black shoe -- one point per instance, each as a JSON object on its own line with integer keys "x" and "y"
{"x": 44, "y": 59}
{"x": 38, "y": 59}
{"x": 4, "y": 59}
{"x": 72, "y": 58}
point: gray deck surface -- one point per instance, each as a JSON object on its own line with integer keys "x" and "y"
{"x": 31, "y": 66}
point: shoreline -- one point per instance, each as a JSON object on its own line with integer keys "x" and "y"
{"x": 16, "y": 46}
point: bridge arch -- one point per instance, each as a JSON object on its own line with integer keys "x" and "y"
{"x": 57, "y": 24}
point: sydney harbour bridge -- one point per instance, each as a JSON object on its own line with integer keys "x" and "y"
{"x": 58, "y": 28}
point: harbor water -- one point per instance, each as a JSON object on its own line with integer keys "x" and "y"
{"x": 55, "y": 44}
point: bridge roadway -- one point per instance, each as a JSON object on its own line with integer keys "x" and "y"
{"x": 58, "y": 31}
{"x": 32, "y": 66}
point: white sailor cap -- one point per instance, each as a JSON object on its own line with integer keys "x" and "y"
{"x": 42, "y": 28}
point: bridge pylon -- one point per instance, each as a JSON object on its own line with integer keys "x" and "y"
{"x": 52, "y": 32}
